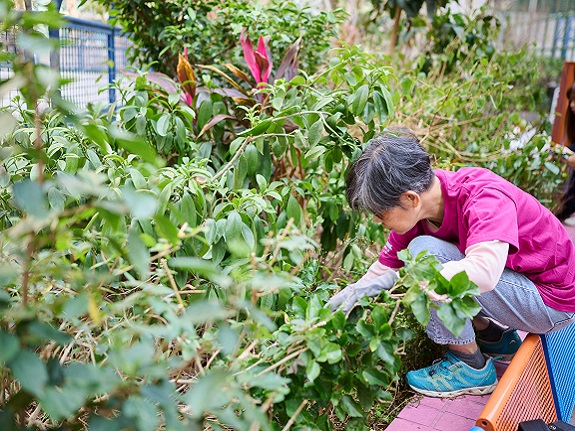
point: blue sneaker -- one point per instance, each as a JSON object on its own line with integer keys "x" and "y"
{"x": 450, "y": 377}
{"x": 504, "y": 348}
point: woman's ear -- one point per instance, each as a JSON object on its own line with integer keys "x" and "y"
{"x": 410, "y": 199}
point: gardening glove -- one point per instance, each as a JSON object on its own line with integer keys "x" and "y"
{"x": 349, "y": 296}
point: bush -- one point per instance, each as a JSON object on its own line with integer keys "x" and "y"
{"x": 210, "y": 30}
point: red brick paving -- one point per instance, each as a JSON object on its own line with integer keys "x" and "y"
{"x": 437, "y": 414}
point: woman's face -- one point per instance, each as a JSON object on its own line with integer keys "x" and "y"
{"x": 572, "y": 105}
{"x": 398, "y": 219}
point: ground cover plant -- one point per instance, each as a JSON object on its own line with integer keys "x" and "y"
{"x": 166, "y": 261}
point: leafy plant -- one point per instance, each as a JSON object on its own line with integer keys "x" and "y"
{"x": 210, "y": 30}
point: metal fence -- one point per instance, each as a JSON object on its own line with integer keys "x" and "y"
{"x": 549, "y": 34}
{"x": 91, "y": 54}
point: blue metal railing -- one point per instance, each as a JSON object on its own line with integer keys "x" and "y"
{"x": 91, "y": 54}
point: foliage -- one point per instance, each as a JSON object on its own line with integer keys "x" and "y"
{"x": 166, "y": 260}
{"x": 412, "y": 8}
{"x": 468, "y": 115}
{"x": 210, "y": 30}
{"x": 455, "y": 37}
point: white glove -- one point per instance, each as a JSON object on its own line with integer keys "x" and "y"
{"x": 372, "y": 287}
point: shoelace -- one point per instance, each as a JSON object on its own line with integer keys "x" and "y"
{"x": 437, "y": 365}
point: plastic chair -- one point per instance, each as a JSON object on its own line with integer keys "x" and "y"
{"x": 538, "y": 384}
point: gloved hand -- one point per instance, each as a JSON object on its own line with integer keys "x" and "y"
{"x": 349, "y": 296}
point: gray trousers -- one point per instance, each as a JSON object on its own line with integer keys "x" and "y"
{"x": 514, "y": 302}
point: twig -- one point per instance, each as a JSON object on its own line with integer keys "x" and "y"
{"x": 26, "y": 269}
{"x": 246, "y": 351}
{"x": 280, "y": 238}
{"x": 294, "y": 416}
{"x": 283, "y": 361}
{"x": 228, "y": 166}
{"x": 216, "y": 353}
{"x": 394, "y": 313}
{"x": 164, "y": 264}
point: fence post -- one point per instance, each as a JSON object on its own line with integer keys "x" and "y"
{"x": 111, "y": 64}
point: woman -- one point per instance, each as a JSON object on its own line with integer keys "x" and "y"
{"x": 472, "y": 220}
{"x": 567, "y": 202}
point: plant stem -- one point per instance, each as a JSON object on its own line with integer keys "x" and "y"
{"x": 395, "y": 31}
{"x": 233, "y": 160}
{"x": 294, "y": 416}
{"x": 26, "y": 269}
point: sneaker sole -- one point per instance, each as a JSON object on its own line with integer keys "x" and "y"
{"x": 481, "y": 390}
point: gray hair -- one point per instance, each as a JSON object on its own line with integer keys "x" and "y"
{"x": 392, "y": 163}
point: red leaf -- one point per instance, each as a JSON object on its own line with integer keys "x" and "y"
{"x": 186, "y": 75}
{"x": 161, "y": 79}
{"x": 249, "y": 55}
{"x": 289, "y": 65}
{"x": 239, "y": 73}
{"x": 266, "y": 69}
{"x": 218, "y": 118}
{"x": 230, "y": 92}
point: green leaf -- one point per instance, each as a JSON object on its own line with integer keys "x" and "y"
{"x": 134, "y": 144}
{"x": 315, "y": 152}
{"x": 552, "y": 167}
{"x": 294, "y": 210}
{"x": 44, "y": 331}
{"x": 388, "y": 102}
{"x": 138, "y": 254}
{"x": 330, "y": 353}
{"x": 30, "y": 371}
{"x": 380, "y": 106}
{"x": 228, "y": 339}
{"x": 351, "y": 407}
{"x": 460, "y": 285}
{"x": 97, "y": 423}
{"x": 314, "y": 133}
{"x": 31, "y": 199}
{"x": 312, "y": 371}
{"x": 373, "y": 376}
{"x": 8, "y": 276}
{"x": 63, "y": 402}
{"x": 142, "y": 413}
{"x": 450, "y": 319}
{"x": 195, "y": 264}
{"x": 209, "y": 393}
{"x": 166, "y": 228}
{"x": 205, "y": 311}
{"x": 269, "y": 381}
{"x": 163, "y": 124}
{"x": 10, "y": 346}
{"x": 360, "y": 100}
{"x": 420, "y": 308}
{"x": 356, "y": 425}
{"x": 142, "y": 205}
{"x": 138, "y": 179}
{"x": 234, "y": 226}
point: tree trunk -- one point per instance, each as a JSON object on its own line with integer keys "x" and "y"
{"x": 394, "y": 31}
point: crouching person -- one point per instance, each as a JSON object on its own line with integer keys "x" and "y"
{"x": 472, "y": 220}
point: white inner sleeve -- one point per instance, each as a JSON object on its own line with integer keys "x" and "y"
{"x": 483, "y": 262}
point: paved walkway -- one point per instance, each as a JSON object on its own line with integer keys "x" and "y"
{"x": 435, "y": 414}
